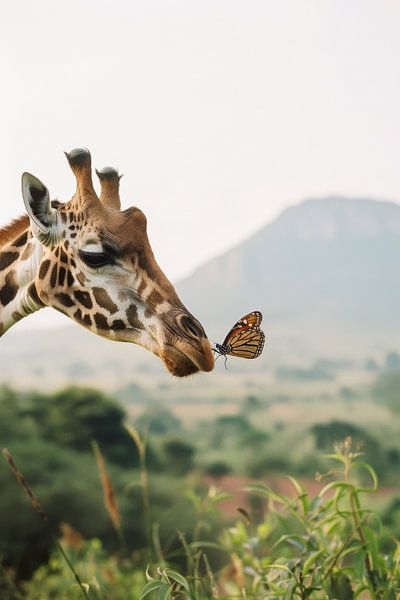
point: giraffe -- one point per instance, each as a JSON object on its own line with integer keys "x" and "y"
{"x": 93, "y": 262}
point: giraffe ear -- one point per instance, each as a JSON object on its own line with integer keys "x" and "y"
{"x": 37, "y": 202}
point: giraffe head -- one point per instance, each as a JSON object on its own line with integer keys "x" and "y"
{"x": 97, "y": 267}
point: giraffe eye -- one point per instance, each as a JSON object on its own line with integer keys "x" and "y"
{"x": 95, "y": 259}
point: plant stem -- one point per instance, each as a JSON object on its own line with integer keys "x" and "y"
{"x": 355, "y": 508}
{"x": 144, "y": 480}
{"x": 75, "y": 574}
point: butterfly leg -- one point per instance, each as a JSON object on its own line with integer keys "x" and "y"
{"x": 215, "y": 360}
{"x": 226, "y": 360}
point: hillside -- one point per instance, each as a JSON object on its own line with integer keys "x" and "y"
{"x": 325, "y": 269}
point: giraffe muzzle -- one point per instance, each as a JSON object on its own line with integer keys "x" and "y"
{"x": 188, "y": 350}
{"x": 182, "y": 360}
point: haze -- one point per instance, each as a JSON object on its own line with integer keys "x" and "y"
{"x": 218, "y": 113}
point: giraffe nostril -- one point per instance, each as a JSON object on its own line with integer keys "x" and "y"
{"x": 191, "y": 326}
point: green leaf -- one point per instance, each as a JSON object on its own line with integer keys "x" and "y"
{"x": 290, "y": 590}
{"x": 220, "y": 497}
{"x": 359, "y": 564}
{"x": 177, "y": 577}
{"x": 372, "y": 546}
{"x": 148, "y": 576}
{"x": 358, "y": 591}
{"x": 205, "y": 544}
{"x": 337, "y": 457}
{"x": 278, "y": 566}
{"x": 341, "y": 485}
{"x": 309, "y": 590}
{"x": 297, "y": 486}
{"x": 151, "y": 586}
{"x": 164, "y": 593}
{"x": 259, "y": 489}
{"x": 371, "y": 472}
{"x": 311, "y": 560}
{"x": 288, "y": 537}
{"x": 302, "y": 494}
{"x": 352, "y": 550}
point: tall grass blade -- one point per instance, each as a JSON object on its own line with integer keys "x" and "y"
{"x": 110, "y": 500}
{"x": 38, "y": 508}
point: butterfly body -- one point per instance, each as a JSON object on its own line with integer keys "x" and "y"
{"x": 245, "y": 339}
{"x": 221, "y": 349}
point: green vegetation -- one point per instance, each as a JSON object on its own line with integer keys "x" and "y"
{"x": 172, "y": 506}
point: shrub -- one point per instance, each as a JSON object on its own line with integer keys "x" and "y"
{"x": 179, "y": 454}
{"x": 218, "y": 468}
{"x": 327, "y": 546}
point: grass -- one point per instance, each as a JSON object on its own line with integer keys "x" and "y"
{"x": 42, "y": 514}
{"x": 292, "y": 546}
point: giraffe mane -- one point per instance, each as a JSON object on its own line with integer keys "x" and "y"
{"x": 13, "y": 230}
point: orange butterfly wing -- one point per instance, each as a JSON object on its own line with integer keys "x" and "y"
{"x": 246, "y": 343}
{"x": 249, "y": 321}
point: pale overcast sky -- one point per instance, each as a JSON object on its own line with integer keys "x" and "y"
{"x": 220, "y": 113}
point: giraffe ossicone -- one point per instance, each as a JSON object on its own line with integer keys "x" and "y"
{"x": 93, "y": 262}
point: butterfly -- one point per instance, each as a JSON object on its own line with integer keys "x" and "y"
{"x": 245, "y": 339}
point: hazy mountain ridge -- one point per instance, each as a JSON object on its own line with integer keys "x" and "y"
{"x": 329, "y": 262}
{"x": 332, "y": 216}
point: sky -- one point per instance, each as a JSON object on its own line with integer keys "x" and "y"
{"x": 219, "y": 113}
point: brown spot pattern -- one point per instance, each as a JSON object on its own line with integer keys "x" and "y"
{"x": 101, "y": 321}
{"x": 7, "y": 258}
{"x": 61, "y": 276}
{"x": 53, "y": 277}
{"x": 21, "y": 240}
{"x": 81, "y": 278}
{"x": 81, "y": 318}
{"x": 132, "y": 316}
{"x": 142, "y": 286}
{"x": 117, "y": 325}
{"x": 70, "y": 279}
{"x": 103, "y": 299}
{"x": 32, "y": 291}
{"x": 9, "y": 289}
{"x": 28, "y": 251}
{"x": 65, "y": 299}
{"x": 84, "y": 298}
{"x": 44, "y": 267}
{"x": 155, "y": 298}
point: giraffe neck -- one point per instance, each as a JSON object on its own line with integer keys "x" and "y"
{"x": 20, "y": 257}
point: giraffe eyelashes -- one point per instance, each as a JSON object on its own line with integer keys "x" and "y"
{"x": 95, "y": 259}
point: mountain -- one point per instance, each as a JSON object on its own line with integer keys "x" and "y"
{"x": 325, "y": 274}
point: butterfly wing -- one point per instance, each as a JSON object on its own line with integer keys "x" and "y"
{"x": 245, "y": 343}
{"x": 250, "y": 321}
